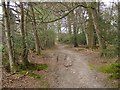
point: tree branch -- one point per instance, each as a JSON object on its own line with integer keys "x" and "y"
{"x": 64, "y": 14}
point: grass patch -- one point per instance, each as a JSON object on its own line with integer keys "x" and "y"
{"x": 32, "y": 67}
{"x": 22, "y": 72}
{"x": 112, "y": 69}
{"x": 81, "y": 49}
{"x": 35, "y": 76}
{"x": 92, "y": 66}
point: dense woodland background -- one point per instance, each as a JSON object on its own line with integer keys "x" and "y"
{"x": 35, "y": 26}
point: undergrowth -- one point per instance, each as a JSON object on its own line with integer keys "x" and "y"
{"x": 110, "y": 52}
{"x": 35, "y": 76}
{"x": 31, "y": 67}
{"x": 112, "y": 69}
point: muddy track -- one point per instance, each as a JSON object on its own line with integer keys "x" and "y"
{"x": 70, "y": 69}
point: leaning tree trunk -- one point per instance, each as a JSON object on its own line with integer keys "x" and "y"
{"x": 24, "y": 51}
{"x": 37, "y": 48}
{"x": 96, "y": 23}
{"x": 8, "y": 38}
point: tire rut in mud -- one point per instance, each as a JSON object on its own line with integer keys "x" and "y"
{"x": 62, "y": 63}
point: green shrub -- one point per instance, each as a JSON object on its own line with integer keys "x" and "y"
{"x": 47, "y": 38}
{"x": 81, "y": 39}
{"x": 110, "y": 52}
{"x": 17, "y": 43}
{"x": 65, "y": 38}
{"x": 113, "y": 69}
{"x": 69, "y": 39}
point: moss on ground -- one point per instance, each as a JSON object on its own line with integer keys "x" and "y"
{"x": 31, "y": 74}
{"x": 31, "y": 67}
{"x": 92, "y": 66}
{"x": 112, "y": 69}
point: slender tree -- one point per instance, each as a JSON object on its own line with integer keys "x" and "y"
{"x": 37, "y": 46}
{"x": 69, "y": 23}
{"x": 95, "y": 17}
{"x": 59, "y": 26}
{"x": 118, "y": 30}
{"x": 24, "y": 48}
{"x": 8, "y": 37}
{"x": 74, "y": 28}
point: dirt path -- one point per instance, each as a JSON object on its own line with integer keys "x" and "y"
{"x": 70, "y": 69}
{"x": 67, "y": 68}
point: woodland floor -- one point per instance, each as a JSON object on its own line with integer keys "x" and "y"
{"x": 68, "y": 67}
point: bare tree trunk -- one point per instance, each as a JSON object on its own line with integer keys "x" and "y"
{"x": 118, "y": 31}
{"x": 26, "y": 25}
{"x": 37, "y": 48}
{"x": 12, "y": 30}
{"x": 90, "y": 32}
{"x": 46, "y": 35}
{"x": 84, "y": 27}
{"x": 8, "y": 38}
{"x": 25, "y": 51}
{"x": 69, "y": 24}
{"x": 59, "y": 26}
{"x": 96, "y": 23}
{"x": 74, "y": 29}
